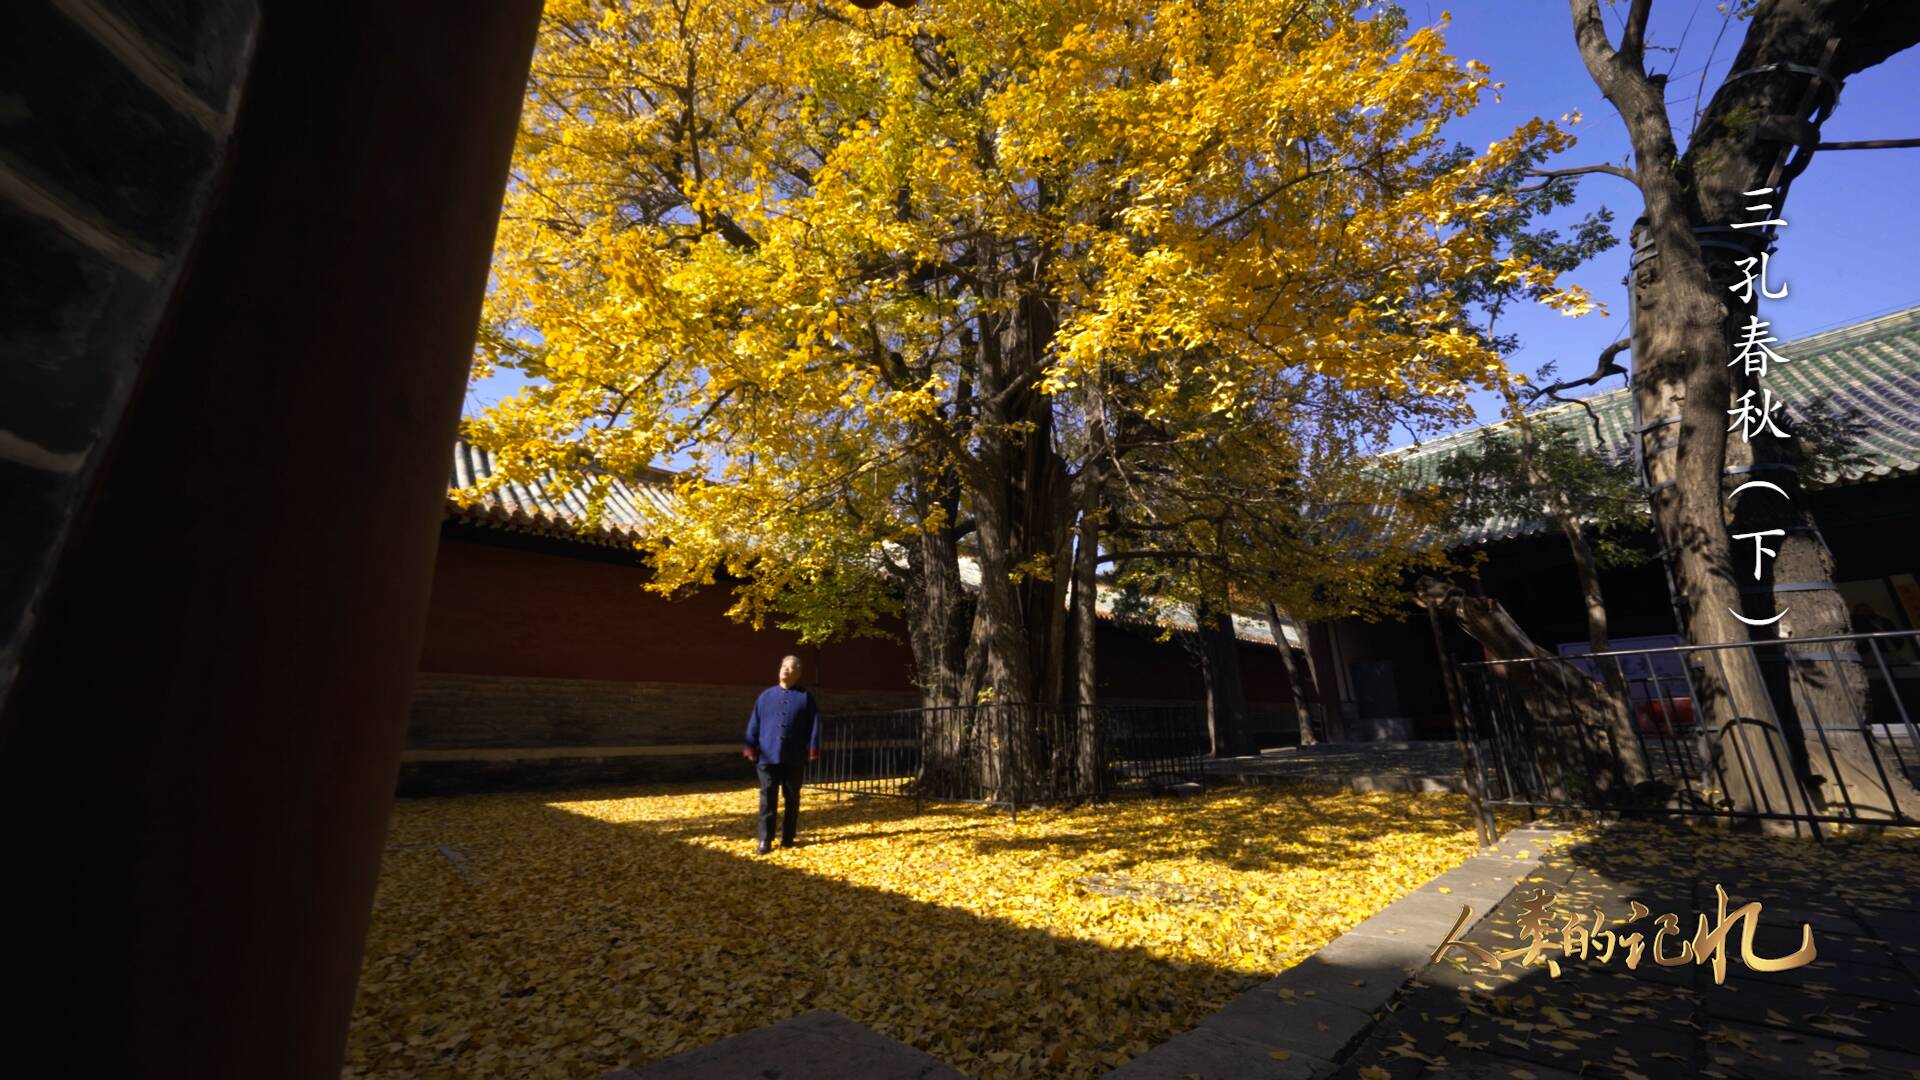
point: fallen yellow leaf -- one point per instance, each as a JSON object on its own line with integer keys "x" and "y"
{"x": 596, "y": 931}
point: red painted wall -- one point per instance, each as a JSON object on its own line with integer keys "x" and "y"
{"x": 1129, "y": 663}
{"x": 500, "y": 610}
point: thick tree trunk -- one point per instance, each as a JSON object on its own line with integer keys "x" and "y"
{"x": 1226, "y": 692}
{"x": 1018, "y": 513}
{"x": 1683, "y": 319}
{"x": 1820, "y": 694}
{"x": 1297, "y": 683}
{"x": 1680, "y": 388}
{"x": 1000, "y": 625}
{"x": 1089, "y": 768}
{"x": 939, "y": 622}
{"x": 939, "y": 615}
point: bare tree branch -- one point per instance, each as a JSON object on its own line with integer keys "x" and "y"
{"x": 1590, "y": 33}
{"x": 1602, "y": 369}
{"x": 1870, "y": 144}
{"x": 1633, "y": 43}
{"x": 1548, "y": 176}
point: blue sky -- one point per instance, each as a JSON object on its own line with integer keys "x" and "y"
{"x": 1847, "y": 249}
{"x": 1851, "y": 232}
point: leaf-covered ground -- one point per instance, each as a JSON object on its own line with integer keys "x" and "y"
{"x": 561, "y": 935}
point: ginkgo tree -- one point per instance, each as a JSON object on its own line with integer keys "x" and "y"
{"x": 899, "y": 287}
{"x": 1281, "y": 508}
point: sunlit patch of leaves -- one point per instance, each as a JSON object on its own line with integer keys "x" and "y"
{"x": 535, "y": 935}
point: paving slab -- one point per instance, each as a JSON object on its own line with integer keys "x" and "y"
{"x": 1766, "y": 1053}
{"x": 1890, "y": 925}
{"x": 1888, "y": 982}
{"x": 1483, "y": 882}
{"x": 1468, "y": 1066}
{"x": 1853, "y": 1011}
{"x": 1207, "y": 1054}
{"x": 1826, "y": 921}
{"x": 1422, "y": 917}
{"x": 1791, "y": 1006}
{"x": 1309, "y": 1026}
{"x": 1570, "y": 1024}
{"x": 1836, "y": 950}
{"x": 1359, "y": 972}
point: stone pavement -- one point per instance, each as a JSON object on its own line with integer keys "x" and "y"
{"x": 1298, "y": 1025}
{"x": 1354, "y": 766}
{"x": 1853, "y": 1011}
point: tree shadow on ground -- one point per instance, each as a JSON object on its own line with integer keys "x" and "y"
{"x": 1851, "y": 1011}
{"x": 563, "y": 942}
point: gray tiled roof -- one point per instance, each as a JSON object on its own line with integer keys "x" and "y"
{"x": 1872, "y": 367}
{"x": 632, "y": 505}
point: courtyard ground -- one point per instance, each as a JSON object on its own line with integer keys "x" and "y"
{"x": 561, "y": 934}
{"x": 1852, "y": 1011}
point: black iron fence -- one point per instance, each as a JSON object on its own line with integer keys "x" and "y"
{"x": 1837, "y": 743}
{"x": 1011, "y": 755}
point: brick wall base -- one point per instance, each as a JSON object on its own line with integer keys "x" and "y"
{"x": 499, "y": 732}
{"x": 493, "y": 732}
{"x": 465, "y": 776}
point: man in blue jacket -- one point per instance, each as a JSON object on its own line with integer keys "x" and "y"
{"x": 784, "y": 719}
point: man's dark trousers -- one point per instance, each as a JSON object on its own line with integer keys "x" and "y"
{"x": 782, "y": 780}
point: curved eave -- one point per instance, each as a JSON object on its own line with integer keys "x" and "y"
{"x": 541, "y": 524}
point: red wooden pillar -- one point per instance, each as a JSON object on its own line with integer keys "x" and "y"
{"x": 201, "y": 748}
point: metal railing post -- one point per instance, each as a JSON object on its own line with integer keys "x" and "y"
{"x": 1487, "y": 691}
